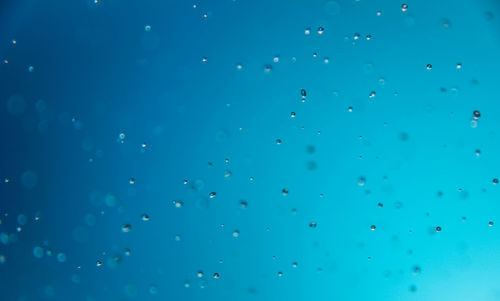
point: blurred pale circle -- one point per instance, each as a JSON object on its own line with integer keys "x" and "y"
{"x": 29, "y": 179}
{"x": 332, "y": 8}
{"x": 16, "y": 105}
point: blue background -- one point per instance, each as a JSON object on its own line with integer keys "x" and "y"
{"x": 98, "y": 71}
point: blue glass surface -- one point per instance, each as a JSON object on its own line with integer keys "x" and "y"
{"x": 249, "y": 150}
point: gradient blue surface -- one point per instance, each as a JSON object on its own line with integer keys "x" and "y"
{"x": 116, "y": 109}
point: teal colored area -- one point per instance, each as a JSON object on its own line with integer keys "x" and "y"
{"x": 249, "y": 150}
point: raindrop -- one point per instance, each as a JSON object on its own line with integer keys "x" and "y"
{"x": 404, "y": 7}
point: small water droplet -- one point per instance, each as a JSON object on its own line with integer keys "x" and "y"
{"x": 476, "y": 115}
{"x": 404, "y": 7}
{"x": 126, "y": 228}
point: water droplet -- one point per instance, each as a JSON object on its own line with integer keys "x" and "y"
{"x": 478, "y": 152}
{"x": 303, "y": 94}
{"x": 178, "y": 204}
{"x": 98, "y": 263}
{"x": 292, "y": 114}
{"x": 459, "y": 65}
{"x": 428, "y": 67}
{"x": 199, "y": 274}
{"x": 268, "y": 68}
{"x": 356, "y": 36}
{"x": 278, "y": 141}
{"x": 132, "y": 181}
{"x": 284, "y": 191}
{"x": 438, "y": 229}
{"x": 204, "y": 59}
{"x": 362, "y": 181}
{"x": 373, "y": 227}
{"x": 216, "y": 276}
{"x": 490, "y": 223}
{"x": 239, "y": 66}
{"x": 404, "y": 7}
{"x": 280, "y": 274}
{"x": 416, "y": 270}
{"x": 495, "y": 181}
{"x": 307, "y": 31}
{"x": 147, "y": 28}
{"x": 31, "y": 68}
{"x": 276, "y": 59}
{"x": 321, "y": 30}
{"x": 243, "y": 204}
{"x": 212, "y": 195}
{"x": 476, "y": 115}
{"x": 236, "y": 233}
{"x": 312, "y": 224}
{"x": 145, "y": 217}
{"x": 294, "y": 264}
{"x": 372, "y": 94}
{"x": 126, "y": 228}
